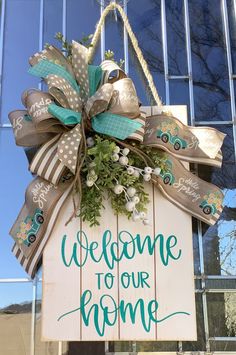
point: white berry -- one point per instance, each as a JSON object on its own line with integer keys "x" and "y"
{"x": 157, "y": 171}
{"x": 89, "y": 183}
{"x": 142, "y": 215}
{"x": 130, "y": 206}
{"x": 135, "y": 217}
{"x": 125, "y": 151}
{"x": 148, "y": 170}
{"x": 115, "y": 157}
{"x": 118, "y": 189}
{"x": 130, "y": 170}
{"x": 90, "y": 142}
{"x": 146, "y": 222}
{"x": 123, "y": 160}
{"x": 146, "y": 177}
{"x": 131, "y": 191}
{"x": 136, "y": 173}
{"x": 136, "y": 199}
{"x": 116, "y": 149}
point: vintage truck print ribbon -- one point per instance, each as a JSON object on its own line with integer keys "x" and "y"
{"x": 102, "y": 99}
{"x": 195, "y": 144}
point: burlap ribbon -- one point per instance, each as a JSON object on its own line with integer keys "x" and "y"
{"x": 106, "y": 101}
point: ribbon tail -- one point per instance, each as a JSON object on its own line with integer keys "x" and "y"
{"x": 47, "y": 164}
{"x": 36, "y": 221}
{"x": 192, "y": 144}
{"x": 190, "y": 193}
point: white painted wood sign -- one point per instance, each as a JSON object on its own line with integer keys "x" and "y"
{"x": 121, "y": 280}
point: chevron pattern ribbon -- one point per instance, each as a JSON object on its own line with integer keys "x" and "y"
{"x": 78, "y": 94}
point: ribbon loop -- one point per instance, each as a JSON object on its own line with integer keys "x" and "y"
{"x": 95, "y": 76}
{"x": 80, "y": 66}
{"x": 44, "y": 68}
{"x": 37, "y": 103}
{"x": 24, "y": 129}
{"x": 54, "y": 55}
{"x": 111, "y": 72}
{"x": 63, "y": 92}
{"x": 100, "y": 100}
{"x": 66, "y": 116}
{"x": 124, "y": 100}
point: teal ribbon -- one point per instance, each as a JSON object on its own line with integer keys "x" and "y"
{"x": 114, "y": 125}
{"x": 95, "y": 76}
{"x": 65, "y": 115}
{"x": 106, "y": 123}
{"x": 44, "y": 68}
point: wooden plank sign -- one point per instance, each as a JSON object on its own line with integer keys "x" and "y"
{"x": 121, "y": 280}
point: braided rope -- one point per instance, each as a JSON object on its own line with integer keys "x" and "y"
{"x": 134, "y": 41}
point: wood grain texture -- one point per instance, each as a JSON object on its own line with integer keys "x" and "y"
{"x": 61, "y": 285}
{"x": 175, "y": 283}
{"x": 142, "y": 263}
{"x": 91, "y": 270}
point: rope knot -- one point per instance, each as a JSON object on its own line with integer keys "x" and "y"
{"x": 113, "y": 4}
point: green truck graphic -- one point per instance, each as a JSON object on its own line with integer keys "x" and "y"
{"x": 27, "y": 118}
{"x": 167, "y": 176}
{"x": 168, "y": 132}
{"x": 210, "y": 203}
{"x": 30, "y": 227}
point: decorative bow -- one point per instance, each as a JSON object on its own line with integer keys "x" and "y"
{"x": 103, "y": 99}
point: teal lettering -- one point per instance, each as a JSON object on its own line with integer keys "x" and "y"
{"x": 125, "y": 279}
{"x": 105, "y": 312}
{"x": 136, "y": 279}
{"x": 144, "y": 276}
{"x": 171, "y": 245}
{"x": 74, "y": 253}
{"x": 112, "y": 252}
{"x": 109, "y": 280}
{"x": 99, "y": 279}
{"x": 131, "y": 310}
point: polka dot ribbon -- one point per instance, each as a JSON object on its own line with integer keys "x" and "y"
{"x": 67, "y": 149}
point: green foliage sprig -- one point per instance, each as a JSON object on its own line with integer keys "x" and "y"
{"x": 85, "y": 41}
{"x": 100, "y": 166}
{"x": 100, "y": 174}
